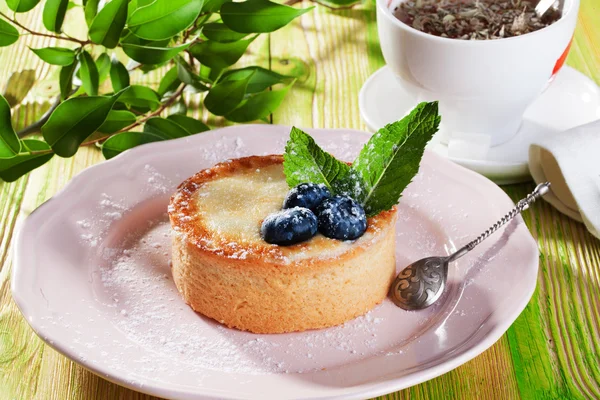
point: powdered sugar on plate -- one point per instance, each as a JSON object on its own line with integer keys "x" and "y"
{"x": 136, "y": 289}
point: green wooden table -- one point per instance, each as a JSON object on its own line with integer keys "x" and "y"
{"x": 552, "y": 351}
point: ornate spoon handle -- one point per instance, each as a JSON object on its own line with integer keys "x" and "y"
{"x": 522, "y": 205}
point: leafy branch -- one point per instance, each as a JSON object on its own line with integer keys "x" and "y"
{"x": 196, "y": 42}
{"x": 32, "y": 32}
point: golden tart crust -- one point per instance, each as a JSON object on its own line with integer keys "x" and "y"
{"x": 225, "y": 271}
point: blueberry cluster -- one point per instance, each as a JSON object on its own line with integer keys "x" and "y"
{"x": 309, "y": 208}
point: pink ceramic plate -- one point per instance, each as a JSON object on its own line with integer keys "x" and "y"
{"x": 92, "y": 279}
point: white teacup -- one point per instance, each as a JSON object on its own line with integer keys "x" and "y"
{"x": 484, "y": 86}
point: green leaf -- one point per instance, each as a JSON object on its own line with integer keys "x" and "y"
{"x": 152, "y": 55}
{"x": 225, "y": 97}
{"x": 170, "y": 82}
{"x": 165, "y": 128}
{"x": 10, "y": 145}
{"x": 304, "y": 161}
{"x": 13, "y": 168}
{"x": 163, "y": 19}
{"x": 117, "y": 120}
{"x": 119, "y": 76}
{"x": 186, "y": 75}
{"x": 56, "y": 55}
{"x": 258, "y": 16}
{"x": 18, "y": 85}
{"x": 66, "y": 80}
{"x": 191, "y": 125}
{"x": 108, "y": 25}
{"x": 258, "y": 106}
{"x": 220, "y": 55}
{"x": 54, "y": 14}
{"x": 117, "y": 144}
{"x": 221, "y": 33}
{"x": 103, "y": 66}
{"x": 21, "y": 6}
{"x": 391, "y": 158}
{"x": 8, "y": 33}
{"x": 261, "y": 79}
{"x": 90, "y": 11}
{"x": 213, "y": 6}
{"x": 74, "y": 120}
{"x": 178, "y": 108}
{"x": 140, "y": 96}
{"x": 88, "y": 72}
{"x": 207, "y": 74}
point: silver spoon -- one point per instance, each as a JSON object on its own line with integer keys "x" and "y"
{"x": 422, "y": 283}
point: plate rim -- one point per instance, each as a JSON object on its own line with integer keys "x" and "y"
{"x": 385, "y": 384}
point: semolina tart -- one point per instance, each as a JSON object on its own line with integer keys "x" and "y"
{"x": 225, "y": 270}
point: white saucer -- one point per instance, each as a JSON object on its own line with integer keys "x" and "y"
{"x": 572, "y": 99}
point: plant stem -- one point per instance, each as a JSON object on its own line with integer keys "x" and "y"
{"x": 160, "y": 109}
{"x": 17, "y": 23}
{"x": 145, "y": 118}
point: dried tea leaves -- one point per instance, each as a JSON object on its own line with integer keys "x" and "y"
{"x": 474, "y": 20}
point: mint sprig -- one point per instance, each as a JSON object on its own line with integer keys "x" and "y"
{"x": 391, "y": 158}
{"x": 383, "y": 169}
{"x": 305, "y": 161}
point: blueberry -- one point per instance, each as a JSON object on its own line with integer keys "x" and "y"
{"x": 341, "y": 217}
{"x": 308, "y": 195}
{"x": 290, "y": 226}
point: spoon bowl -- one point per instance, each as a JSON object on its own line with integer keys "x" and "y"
{"x": 422, "y": 283}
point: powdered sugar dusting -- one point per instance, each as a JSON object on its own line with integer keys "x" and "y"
{"x": 136, "y": 288}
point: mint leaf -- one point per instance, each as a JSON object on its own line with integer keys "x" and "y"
{"x": 304, "y": 161}
{"x": 390, "y": 159}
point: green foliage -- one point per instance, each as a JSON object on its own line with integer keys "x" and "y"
{"x": 218, "y": 55}
{"x": 258, "y": 16}
{"x": 221, "y": 33}
{"x": 8, "y": 33}
{"x": 13, "y": 168}
{"x": 21, "y": 6}
{"x": 56, "y": 55}
{"x": 108, "y": 24}
{"x": 103, "y": 66}
{"x": 9, "y": 141}
{"x": 165, "y": 128}
{"x": 66, "y": 80}
{"x": 117, "y": 120}
{"x": 117, "y": 144}
{"x": 54, "y": 14}
{"x": 152, "y": 55}
{"x": 88, "y": 72}
{"x": 140, "y": 96}
{"x": 191, "y": 125}
{"x": 119, "y": 76}
{"x": 74, "y": 120}
{"x": 196, "y": 42}
{"x": 164, "y": 19}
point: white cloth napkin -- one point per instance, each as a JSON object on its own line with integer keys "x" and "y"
{"x": 571, "y": 162}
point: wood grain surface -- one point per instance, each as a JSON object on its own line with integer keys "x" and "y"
{"x": 552, "y": 351}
